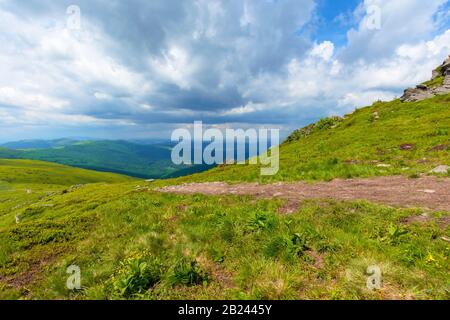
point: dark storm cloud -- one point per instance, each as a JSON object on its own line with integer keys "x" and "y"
{"x": 136, "y": 63}
{"x": 229, "y": 42}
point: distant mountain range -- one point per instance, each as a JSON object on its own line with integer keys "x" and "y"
{"x": 38, "y": 144}
{"x": 143, "y": 160}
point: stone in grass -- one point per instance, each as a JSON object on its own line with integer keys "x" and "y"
{"x": 428, "y": 191}
{"x": 375, "y": 116}
{"x": 407, "y": 146}
{"x": 441, "y": 169}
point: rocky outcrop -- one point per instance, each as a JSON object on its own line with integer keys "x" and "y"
{"x": 439, "y": 84}
{"x": 435, "y": 74}
{"x": 447, "y": 78}
{"x": 416, "y": 94}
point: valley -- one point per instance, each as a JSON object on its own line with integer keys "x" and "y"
{"x": 149, "y": 160}
{"x": 351, "y": 192}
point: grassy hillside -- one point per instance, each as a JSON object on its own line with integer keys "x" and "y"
{"x": 144, "y": 161}
{"x": 37, "y": 172}
{"x": 38, "y": 144}
{"x": 132, "y": 242}
{"x": 384, "y": 139}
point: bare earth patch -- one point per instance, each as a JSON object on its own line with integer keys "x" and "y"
{"x": 29, "y": 276}
{"x": 426, "y": 192}
{"x": 319, "y": 262}
{"x": 290, "y": 207}
{"x": 425, "y": 218}
{"x": 224, "y": 277}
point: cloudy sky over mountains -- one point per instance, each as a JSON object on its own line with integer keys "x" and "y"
{"x": 138, "y": 69}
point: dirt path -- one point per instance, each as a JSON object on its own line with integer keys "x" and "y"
{"x": 425, "y": 192}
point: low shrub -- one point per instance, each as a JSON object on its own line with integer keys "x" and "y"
{"x": 261, "y": 221}
{"x": 187, "y": 272}
{"x": 136, "y": 275}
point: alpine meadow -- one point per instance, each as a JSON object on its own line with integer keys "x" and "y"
{"x": 322, "y": 172}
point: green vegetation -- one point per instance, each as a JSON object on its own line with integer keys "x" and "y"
{"x": 139, "y": 244}
{"x": 132, "y": 242}
{"x": 137, "y": 160}
{"x": 436, "y": 82}
{"x": 37, "y": 172}
{"x": 39, "y": 144}
{"x": 387, "y": 138}
{"x": 136, "y": 275}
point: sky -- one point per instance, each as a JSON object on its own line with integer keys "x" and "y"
{"x": 141, "y": 69}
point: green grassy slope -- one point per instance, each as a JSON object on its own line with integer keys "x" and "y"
{"x": 38, "y": 172}
{"x": 131, "y": 242}
{"x": 359, "y": 145}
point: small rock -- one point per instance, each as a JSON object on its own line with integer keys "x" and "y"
{"x": 17, "y": 218}
{"x": 441, "y": 169}
{"x": 428, "y": 191}
{"x": 149, "y": 180}
{"x": 75, "y": 187}
{"x": 383, "y": 165}
{"x": 407, "y": 146}
{"x": 28, "y": 191}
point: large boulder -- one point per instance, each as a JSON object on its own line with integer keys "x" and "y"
{"x": 416, "y": 94}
